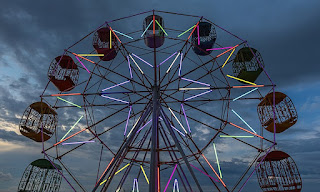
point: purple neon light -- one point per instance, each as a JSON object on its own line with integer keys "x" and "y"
{"x": 129, "y": 67}
{"x": 185, "y": 116}
{"x": 167, "y": 58}
{"x": 142, "y": 60}
{"x": 198, "y": 35}
{"x": 144, "y": 126}
{"x": 125, "y": 129}
{"x": 204, "y": 173}
{"x": 197, "y": 95}
{"x": 73, "y": 143}
{"x": 115, "y": 99}
{"x": 219, "y": 48}
{"x": 82, "y": 64}
{"x": 170, "y": 177}
{"x": 178, "y": 131}
{"x": 193, "y": 81}
{"x": 180, "y": 64}
{"x": 116, "y": 85}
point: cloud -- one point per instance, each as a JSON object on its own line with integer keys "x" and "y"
{"x": 5, "y": 177}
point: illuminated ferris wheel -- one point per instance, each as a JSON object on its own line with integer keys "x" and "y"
{"x": 157, "y": 108}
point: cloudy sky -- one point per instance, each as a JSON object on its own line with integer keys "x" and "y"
{"x": 286, "y": 33}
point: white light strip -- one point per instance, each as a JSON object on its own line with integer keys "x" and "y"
{"x": 178, "y": 120}
{"x": 173, "y": 62}
{"x": 136, "y": 64}
{"x": 133, "y": 126}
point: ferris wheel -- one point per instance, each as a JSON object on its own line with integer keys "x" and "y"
{"x": 157, "y": 108}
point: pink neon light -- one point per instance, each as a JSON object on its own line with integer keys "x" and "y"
{"x": 82, "y": 64}
{"x": 219, "y": 48}
{"x": 198, "y": 35}
{"x": 170, "y": 177}
{"x": 204, "y": 173}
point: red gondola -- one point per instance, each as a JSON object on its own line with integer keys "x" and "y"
{"x": 64, "y": 74}
{"x": 278, "y": 173}
{"x": 101, "y": 43}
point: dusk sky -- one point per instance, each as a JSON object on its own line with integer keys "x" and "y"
{"x": 285, "y": 32}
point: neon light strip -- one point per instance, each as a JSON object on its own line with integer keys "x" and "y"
{"x": 245, "y": 130}
{"x": 178, "y": 131}
{"x": 226, "y": 51}
{"x": 180, "y": 64}
{"x": 185, "y": 116}
{"x": 105, "y": 169}
{"x": 173, "y": 62}
{"x": 115, "y": 99}
{"x": 215, "y": 151}
{"x": 241, "y": 80}
{"x": 136, "y": 65}
{"x": 197, "y": 95}
{"x": 193, "y": 88}
{"x": 73, "y": 143}
{"x": 193, "y": 30}
{"x": 144, "y": 126}
{"x": 116, "y": 173}
{"x": 144, "y": 173}
{"x": 123, "y": 34}
{"x": 125, "y": 129}
{"x": 66, "y": 94}
{"x": 83, "y": 58}
{"x": 198, "y": 35}
{"x": 219, "y": 48}
{"x": 158, "y": 179}
{"x": 193, "y": 81}
{"x": 116, "y": 85}
{"x": 167, "y": 59}
{"x": 165, "y": 189}
{"x": 154, "y": 25}
{"x": 92, "y": 55}
{"x": 178, "y": 120}
{"x": 71, "y": 128}
{"x": 135, "y": 181}
{"x": 69, "y": 102}
{"x": 204, "y": 173}
{"x": 213, "y": 170}
{"x": 70, "y": 136}
{"x": 115, "y": 35}
{"x": 146, "y": 29}
{"x": 250, "y": 136}
{"x": 186, "y": 31}
{"x": 82, "y": 64}
{"x": 142, "y": 60}
{"x": 134, "y": 126}
{"x": 161, "y": 28}
{"x": 228, "y": 58}
{"x": 129, "y": 67}
{"x": 175, "y": 185}
{"x": 243, "y": 120}
{"x": 248, "y": 86}
{"x": 110, "y": 40}
{"x": 244, "y": 94}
